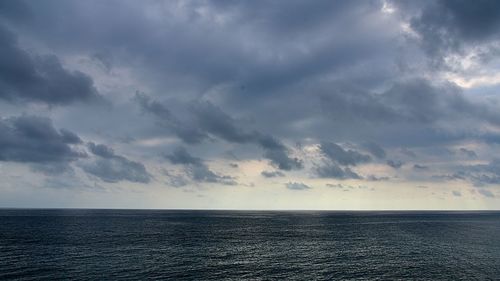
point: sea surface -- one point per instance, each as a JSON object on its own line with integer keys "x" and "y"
{"x": 245, "y": 245}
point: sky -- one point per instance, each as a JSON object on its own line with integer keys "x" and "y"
{"x": 331, "y": 105}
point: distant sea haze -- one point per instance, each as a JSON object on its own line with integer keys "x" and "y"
{"x": 243, "y": 245}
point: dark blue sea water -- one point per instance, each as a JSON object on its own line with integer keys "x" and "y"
{"x": 242, "y": 245}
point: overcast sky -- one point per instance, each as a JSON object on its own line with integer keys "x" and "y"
{"x": 250, "y": 104}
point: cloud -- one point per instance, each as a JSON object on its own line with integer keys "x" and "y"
{"x": 332, "y": 170}
{"x": 337, "y": 154}
{"x": 456, "y": 193}
{"x": 272, "y": 174}
{"x": 482, "y": 174}
{"x": 334, "y": 158}
{"x": 408, "y": 152}
{"x": 33, "y": 139}
{"x": 196, "y": 169}
{"x": 186, "y": 132}
{"x": 375, "y": 149}
{"x": 253, "y": 79}
{"x": 37, "y": 78}
{"x": 468, "y": 153}
{"x": 486, "y": 193}
{"x": 181, "y": 156}
{"x": 448, "y": 25}
{"x": 70, "y": 183}
{"x": 297, "y": 186}
{"x": 477, "y": 174}
{"x": 112, "y": 168}
{"x": 209, "y": 120}
{"x": 396, "y": 164}
{"x": 344, "y": 186}
{"x": 52, "y": 169}
{"x": 278, "y": 154}
{"x": 101, "y": 150}
{"x": 377, "y": 178}
{"x": 420, "y": 167}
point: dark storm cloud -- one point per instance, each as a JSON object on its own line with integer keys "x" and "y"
{"x": 297, "y": 186}
{"x": 27, "y": 77}
{"x": 449, "y": 25}
{"x": 33, "y": 139}
{"x": 112, "y": 168}
{"x": 206, "y": 49}
{"x": 210, "y": 120}
{"x": 195, "y": 169}
{"x": 272, "y": 174}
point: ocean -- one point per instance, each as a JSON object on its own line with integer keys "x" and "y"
{"x": 79, "y": 244}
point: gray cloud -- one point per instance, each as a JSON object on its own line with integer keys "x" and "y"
{"x": 486, "y": 193}
{"x": 344, "y": 186}
{"x": 277, "y": 153}
{"x": 196, "y": 169}
{"x": 483, "y": 174}
{"x": 450, "y": 25}
{"x": 26, "y": 77}
{"x": 33, "y": 139}
{"x": 272, "y": 174}
{"x": 337, "y": 154}
{"x": 408, "y": 152}
{"x": 396, "y": 164}
{"x": 456, "y": 193}
{"x": 52, "y": 169}
{"x": 335, "y": 157}
{"x": 252, "y": 78}
{"x": 186, "y": 132}
{"x": 377, "y": 178}
{"x": 478, "y": 174}
{"x": 181, "y": 156}
{"x": 375, "y": 149}
{"x": 297, "y": 186}
{"x": 112, "y": 168}
{"x": 332, "y": 170}
{"x": 210, "y": 120}
{"x": 468, "y": 153}
{"x": 420, "y": 167}
{"x": 101, "y": 150}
